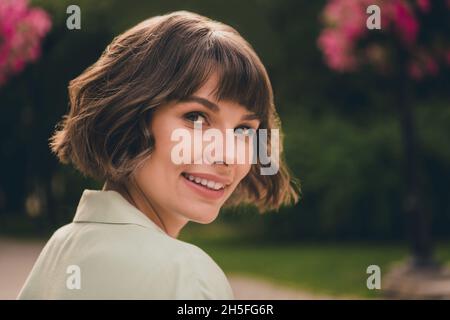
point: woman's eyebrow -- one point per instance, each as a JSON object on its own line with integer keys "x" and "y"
{"x": 215, "y": 108}
{"x": 250, "y": 116}
{"x": 209, "y": 104}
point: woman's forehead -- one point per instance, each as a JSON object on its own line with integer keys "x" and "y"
{"x": 210, "y": 87}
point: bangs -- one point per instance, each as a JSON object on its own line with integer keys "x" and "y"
{"x": 241, "y": 76}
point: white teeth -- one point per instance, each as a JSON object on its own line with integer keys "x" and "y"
{"x": 207, "y": 183}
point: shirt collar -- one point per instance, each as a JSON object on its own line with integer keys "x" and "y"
{"x": 110, "y": 207}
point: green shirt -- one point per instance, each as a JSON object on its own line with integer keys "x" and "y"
{"x": 111, "y": 250}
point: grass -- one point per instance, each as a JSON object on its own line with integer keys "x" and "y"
{"x": 330, "y": 269}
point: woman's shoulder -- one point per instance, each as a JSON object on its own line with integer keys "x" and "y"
{"x": 142, "y": 259}
{"x": 182, "y": 258}
{"x": 203, "y": 273}
{"x": 197, "y": 273}
{"x": 186, "y": 268}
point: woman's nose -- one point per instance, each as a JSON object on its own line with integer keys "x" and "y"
{"x": 231, "y": 150}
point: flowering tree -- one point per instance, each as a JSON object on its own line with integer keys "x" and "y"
{"x": 21, "y": 32}
{"x": 347, "y": 44}
{"x": 412, "y": 44}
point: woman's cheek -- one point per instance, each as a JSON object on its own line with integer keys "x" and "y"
{"x": 243, "y": 170}
{"x": 167, "y": 144}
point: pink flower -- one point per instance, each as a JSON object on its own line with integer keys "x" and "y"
{"x": 40, "y": 21}
{"x": 21, "y": 32}
{"x": 348, "y": 16}
{"x": 18, "y": 65}
{"x": 424, "y": 5}
{"x": 337, "y": 50}
{"x": 405, "y": 22}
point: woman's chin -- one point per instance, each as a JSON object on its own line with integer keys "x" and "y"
{"x": 204, "y": 217}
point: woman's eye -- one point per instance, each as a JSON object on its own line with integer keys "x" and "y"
{"x": 243, "y": 130}
{"x": 195, "y": 116}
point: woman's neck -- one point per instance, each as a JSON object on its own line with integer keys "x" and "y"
{"x": 136, "y": 197}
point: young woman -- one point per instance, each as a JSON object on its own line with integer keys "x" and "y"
{"x": 168, "y": 72}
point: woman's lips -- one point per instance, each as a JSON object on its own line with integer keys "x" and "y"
{"x": 203, "y": 190}
{"x": 224, "y": 180}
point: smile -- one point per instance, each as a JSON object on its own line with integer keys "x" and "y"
{"x": 205, "y": 185}
{"x": 210, "y": 184}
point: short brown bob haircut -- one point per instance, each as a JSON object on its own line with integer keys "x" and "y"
{"x": 106, "y": 133}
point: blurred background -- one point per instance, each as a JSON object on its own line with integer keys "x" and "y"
{"x": 366, "y": 115}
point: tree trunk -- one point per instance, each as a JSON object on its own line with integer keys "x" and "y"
{"x": 418, "y": 222}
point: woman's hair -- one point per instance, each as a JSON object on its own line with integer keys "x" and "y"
{"x": 106, "y": 133}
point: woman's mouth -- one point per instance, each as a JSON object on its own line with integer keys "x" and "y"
{"x": 207, "y": 188}
{"x": 210, "y": 184}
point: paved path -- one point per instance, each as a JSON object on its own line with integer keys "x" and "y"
{"x": 245, "y": 287}
{"x": 17, "y": 258}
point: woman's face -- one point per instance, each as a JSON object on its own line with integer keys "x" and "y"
{"x": 177, "y": 191}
